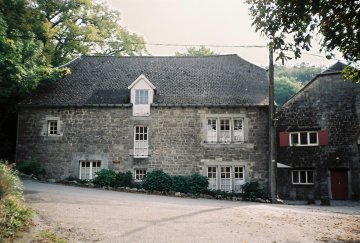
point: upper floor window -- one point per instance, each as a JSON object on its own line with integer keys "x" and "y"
{"x": 141, "y": 142}
{"x": 303, "y": 138}
{"x": 224, "y": 130}
{"x": 303, "y": 177}
{"x": 141, "y": 97}
{"x": 52, "y": 127}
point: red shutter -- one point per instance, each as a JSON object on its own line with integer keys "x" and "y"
{"x": 284, "y": 139}
{"x": 323, "y": 137}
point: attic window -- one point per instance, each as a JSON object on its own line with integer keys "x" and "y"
{"x": 141, "y": 97}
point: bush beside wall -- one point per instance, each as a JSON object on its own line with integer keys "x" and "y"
{"x": 14, "y": 214}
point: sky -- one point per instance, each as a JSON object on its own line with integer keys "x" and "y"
{"x": 199, "y": 22}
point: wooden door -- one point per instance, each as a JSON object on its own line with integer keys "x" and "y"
{"x": 339, "y": 184}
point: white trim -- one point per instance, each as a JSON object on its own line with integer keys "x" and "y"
{"x": 142, "y": 77}
{"x": 135, "y": 174}
{"x": 307, "y": 138}
{"x": 91, "y": 177}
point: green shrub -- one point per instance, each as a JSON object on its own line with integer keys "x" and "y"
{"x": 157, "y": 180}
{"x": 253, "y": 191}
{"x": 14, "y": 215}
{"x": 180, "y": 184}
{"x": 198, "y": 183}
{"x": 105, "y": 177}
{"x": 123, "y": 179}
{"x": 31, "y": 167}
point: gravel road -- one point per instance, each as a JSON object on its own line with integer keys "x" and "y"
{"x": 93, "y": 215}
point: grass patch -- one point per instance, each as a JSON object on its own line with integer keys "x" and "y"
{"x": 46, "y": 236}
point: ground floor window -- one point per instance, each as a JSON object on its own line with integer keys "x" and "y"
{"x": 139, "y": 174}
{"x": 225, "y": 178}
{"x": 303, "y": 177}
{"x": 88, "y": 169}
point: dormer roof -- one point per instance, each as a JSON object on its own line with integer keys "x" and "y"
{"x": 140, "y": 78}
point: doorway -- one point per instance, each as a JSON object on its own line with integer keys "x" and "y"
{"x": 339, "y": 184}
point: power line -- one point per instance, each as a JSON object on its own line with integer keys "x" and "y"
{"x": 136, "y": 43}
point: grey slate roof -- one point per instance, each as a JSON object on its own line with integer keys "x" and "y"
{"x": 211, "y": 80}
{"x": 337, "y": 67}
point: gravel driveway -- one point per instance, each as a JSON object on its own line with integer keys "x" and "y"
{"x": 93, "y": 215}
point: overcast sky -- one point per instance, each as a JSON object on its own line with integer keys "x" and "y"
{"x": 198, "y": 22}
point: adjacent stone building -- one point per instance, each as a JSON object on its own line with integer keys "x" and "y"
{"x": 318, "y": 153}
{"x": 178, "y": 114}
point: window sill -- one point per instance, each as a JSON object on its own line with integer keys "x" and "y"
{"x": 303, "y": 145}
{"x": 140, "y": 156}
{"x": 303, "y": 184}
{"x": 229, "y": 145}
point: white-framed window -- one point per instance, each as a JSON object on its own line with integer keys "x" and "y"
{"x": 139, "y": 174}
{"x": 225, "y": 182}
{"x": 212, "y": 130}
{"x": 225, "y": 130}
{"x": 238, "y": 130}
{"x": 141, "y": 141}
{"x": 141, "y": 97}
{"x": 53, "y": 127}
{"x": 225, "y": 134}
{"x": 226, "y": 178}
{"x": 88, "y": 169}
{"x": 238, "y": 178}
{"x": 304, "y": 138}
{"x": 303, "y": 177}
{"x": 212, "y": 177}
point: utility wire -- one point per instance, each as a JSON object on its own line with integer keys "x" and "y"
{"x": 134, "y": 43}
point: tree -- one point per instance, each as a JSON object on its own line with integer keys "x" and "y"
{"x": 193, "y": 51}
{"x": 285, "y": 87}
{"x": 292, "y": 26}
{"x": 302, "y": 73}
{"x": 73, "y": 27}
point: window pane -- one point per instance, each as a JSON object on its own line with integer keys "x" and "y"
{"x": 224, "y": 125}
{"x": 294, "y": 138}
{"x": 211, "y": 131}
{"x": 302, "y": 176}
{"x": 295, "y": 176}
{"x": 313, "y": 138}
{"x": 238, "y": 131}
{"x": 303, "y": 138}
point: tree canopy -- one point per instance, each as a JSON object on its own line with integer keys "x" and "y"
{"x": 36, "y": 36}
{"x": 193, "y": 51}
{"x": 293, "y": 25}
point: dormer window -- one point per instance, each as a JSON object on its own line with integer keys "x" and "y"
{"x": 141, "y": 97}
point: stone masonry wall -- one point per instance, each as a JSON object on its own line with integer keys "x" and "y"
{"x": 176, "y": 140}
{"x": 328, "y": 104}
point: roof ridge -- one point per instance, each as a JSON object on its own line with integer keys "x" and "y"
{"x": 222, "y": 55}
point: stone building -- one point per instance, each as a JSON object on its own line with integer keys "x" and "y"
{"x": 178, "y": 114}
{"x": 318, "y": 147}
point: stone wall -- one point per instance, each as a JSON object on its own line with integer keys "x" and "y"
{"x": 176, "y": 140}
{"x": 328, "y": 104}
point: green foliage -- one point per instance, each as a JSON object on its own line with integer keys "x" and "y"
{"x": 284, "y": 89}
{"x": 14, "y": 215}
{"x": 180, "y": 184}
{"x": 105, "y": 177}
{"x": 253, "y": 191}
{"x": 193, "y": 51}
{"x": 123, "y": 179}
{"x": 198, "y": 183}
{"x": 289, "y": 80}
{"x": 48, "y": 236}
{"x": 76, "y": 27}
{"x": 31, "y": 167}
{"x": 157, "y": 180}
{"x": 292, "y": 26}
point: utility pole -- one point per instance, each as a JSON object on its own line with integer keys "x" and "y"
{"x": 272, "y": 135}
